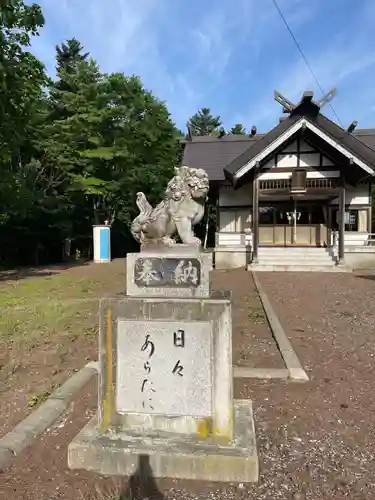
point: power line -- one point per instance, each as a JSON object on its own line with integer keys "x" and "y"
{"x": 304, "y": 57}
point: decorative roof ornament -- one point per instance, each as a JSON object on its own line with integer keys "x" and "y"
{"x": 327, "y": 97}
{"x": 287, "y": 105}
{"x": 307, "y": 99}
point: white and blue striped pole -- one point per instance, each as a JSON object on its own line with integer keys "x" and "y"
{"x": 102, "y": 243}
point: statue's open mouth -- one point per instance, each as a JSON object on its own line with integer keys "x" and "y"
{"x": 200, "y": 193}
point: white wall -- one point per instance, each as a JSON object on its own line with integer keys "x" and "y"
{"x": 230, "y": 257}
{"x": 289, "y": 158}
{"x": 358, "y": 195}
{"x": 234, "y": 220}
{"x": 230, "y": 239}
{"x": 230, "y": 197}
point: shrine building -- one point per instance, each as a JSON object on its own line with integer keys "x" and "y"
{"x": 298, "y": 194}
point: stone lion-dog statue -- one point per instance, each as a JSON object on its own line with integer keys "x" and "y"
{"x": 181, "y": 209}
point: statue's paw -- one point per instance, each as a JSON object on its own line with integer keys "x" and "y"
{"x": 168, "y": 241}
{"x": 193, "y": 241}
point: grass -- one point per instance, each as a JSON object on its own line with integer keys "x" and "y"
{"x": 51, "y": 317}
{"x": 38, "y": 289}
{"x": 41, "y": 321}
{"x": 49, "y": 328}
{"x": 35, "y": 308}
{"x": 38, "y": 399}
{"x": 111, "y": 493}
{"x": 121, "y": 493}
{"x": 256, "y": 315}
{"x": 104, "y": 496}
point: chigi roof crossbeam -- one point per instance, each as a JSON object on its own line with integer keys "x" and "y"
{"x": 306, "y": 100}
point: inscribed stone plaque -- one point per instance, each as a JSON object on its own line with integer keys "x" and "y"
{"x": 164, "y": 367}
{"x": 168, "y": 271}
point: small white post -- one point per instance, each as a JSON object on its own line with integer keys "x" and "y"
{"x": 102, "y": 243}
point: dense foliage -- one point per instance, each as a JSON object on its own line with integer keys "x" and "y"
{"x": 74, "y": 151}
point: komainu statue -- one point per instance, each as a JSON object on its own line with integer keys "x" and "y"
{"x": 181, "y": 208}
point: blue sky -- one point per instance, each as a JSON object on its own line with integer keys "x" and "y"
{"x": 227, "y": 55}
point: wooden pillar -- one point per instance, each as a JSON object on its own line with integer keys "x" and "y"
{"x": 329, "y": 226}
{"x": 342, "y": 221}
{"x": 255, "y": 215}
{"x": 369, "y": 214}
{"x": 369, "y": 219}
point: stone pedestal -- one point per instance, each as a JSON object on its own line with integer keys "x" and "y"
{"x": 166, "y": 377}
{"x": 168, "y": 454}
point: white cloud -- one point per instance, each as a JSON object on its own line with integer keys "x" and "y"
{"x": 186, "y": 51}
{"x": 139, "y": 36}
{"x": 132, "y": 36}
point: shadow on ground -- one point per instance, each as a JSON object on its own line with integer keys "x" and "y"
{"x": 142, "y": 484}
{"x": 370, "y": 277}
{"x": 41, "y": 271}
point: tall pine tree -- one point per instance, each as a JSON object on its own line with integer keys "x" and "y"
{"x": 238, "y": 129}
{"x": 204, "y": 123}
{"x": 68, "y": 55}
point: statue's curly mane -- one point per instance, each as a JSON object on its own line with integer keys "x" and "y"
{"x": 183, "y": 184}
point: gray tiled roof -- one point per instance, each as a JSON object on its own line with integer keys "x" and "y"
{"x": 349, "y": 142}
{"x": 367, "y": 136}
{"x": 215, "y": 154}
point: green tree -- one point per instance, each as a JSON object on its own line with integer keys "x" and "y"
{"x": 238, "y": 129}
{"x": 76, "y": 155}
{"x": 135, "y": 146}
{"x": 68, "y": 55}
{"x": 22, "y": 80}
{"x": 21, "y": 77}
{"x": 35, "y": 207}
{"x": 111, "y": 139}
{"x": 68, "y": 58}
{"x": 204, "y": 123}
{"x": 70, "y": 126}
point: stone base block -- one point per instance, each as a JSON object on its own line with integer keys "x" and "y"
{"x": 168, "y": 455}
{"x": 230, "y": 257}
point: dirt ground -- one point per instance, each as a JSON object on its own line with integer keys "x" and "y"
{"x": 316, "y": 440}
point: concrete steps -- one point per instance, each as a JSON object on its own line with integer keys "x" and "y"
{"x": 299, "y": 268}
{"x": 299, "y": 259}
{"x": 292, "y": 250}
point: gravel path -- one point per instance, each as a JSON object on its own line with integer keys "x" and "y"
{"x": 317, "y": 440}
